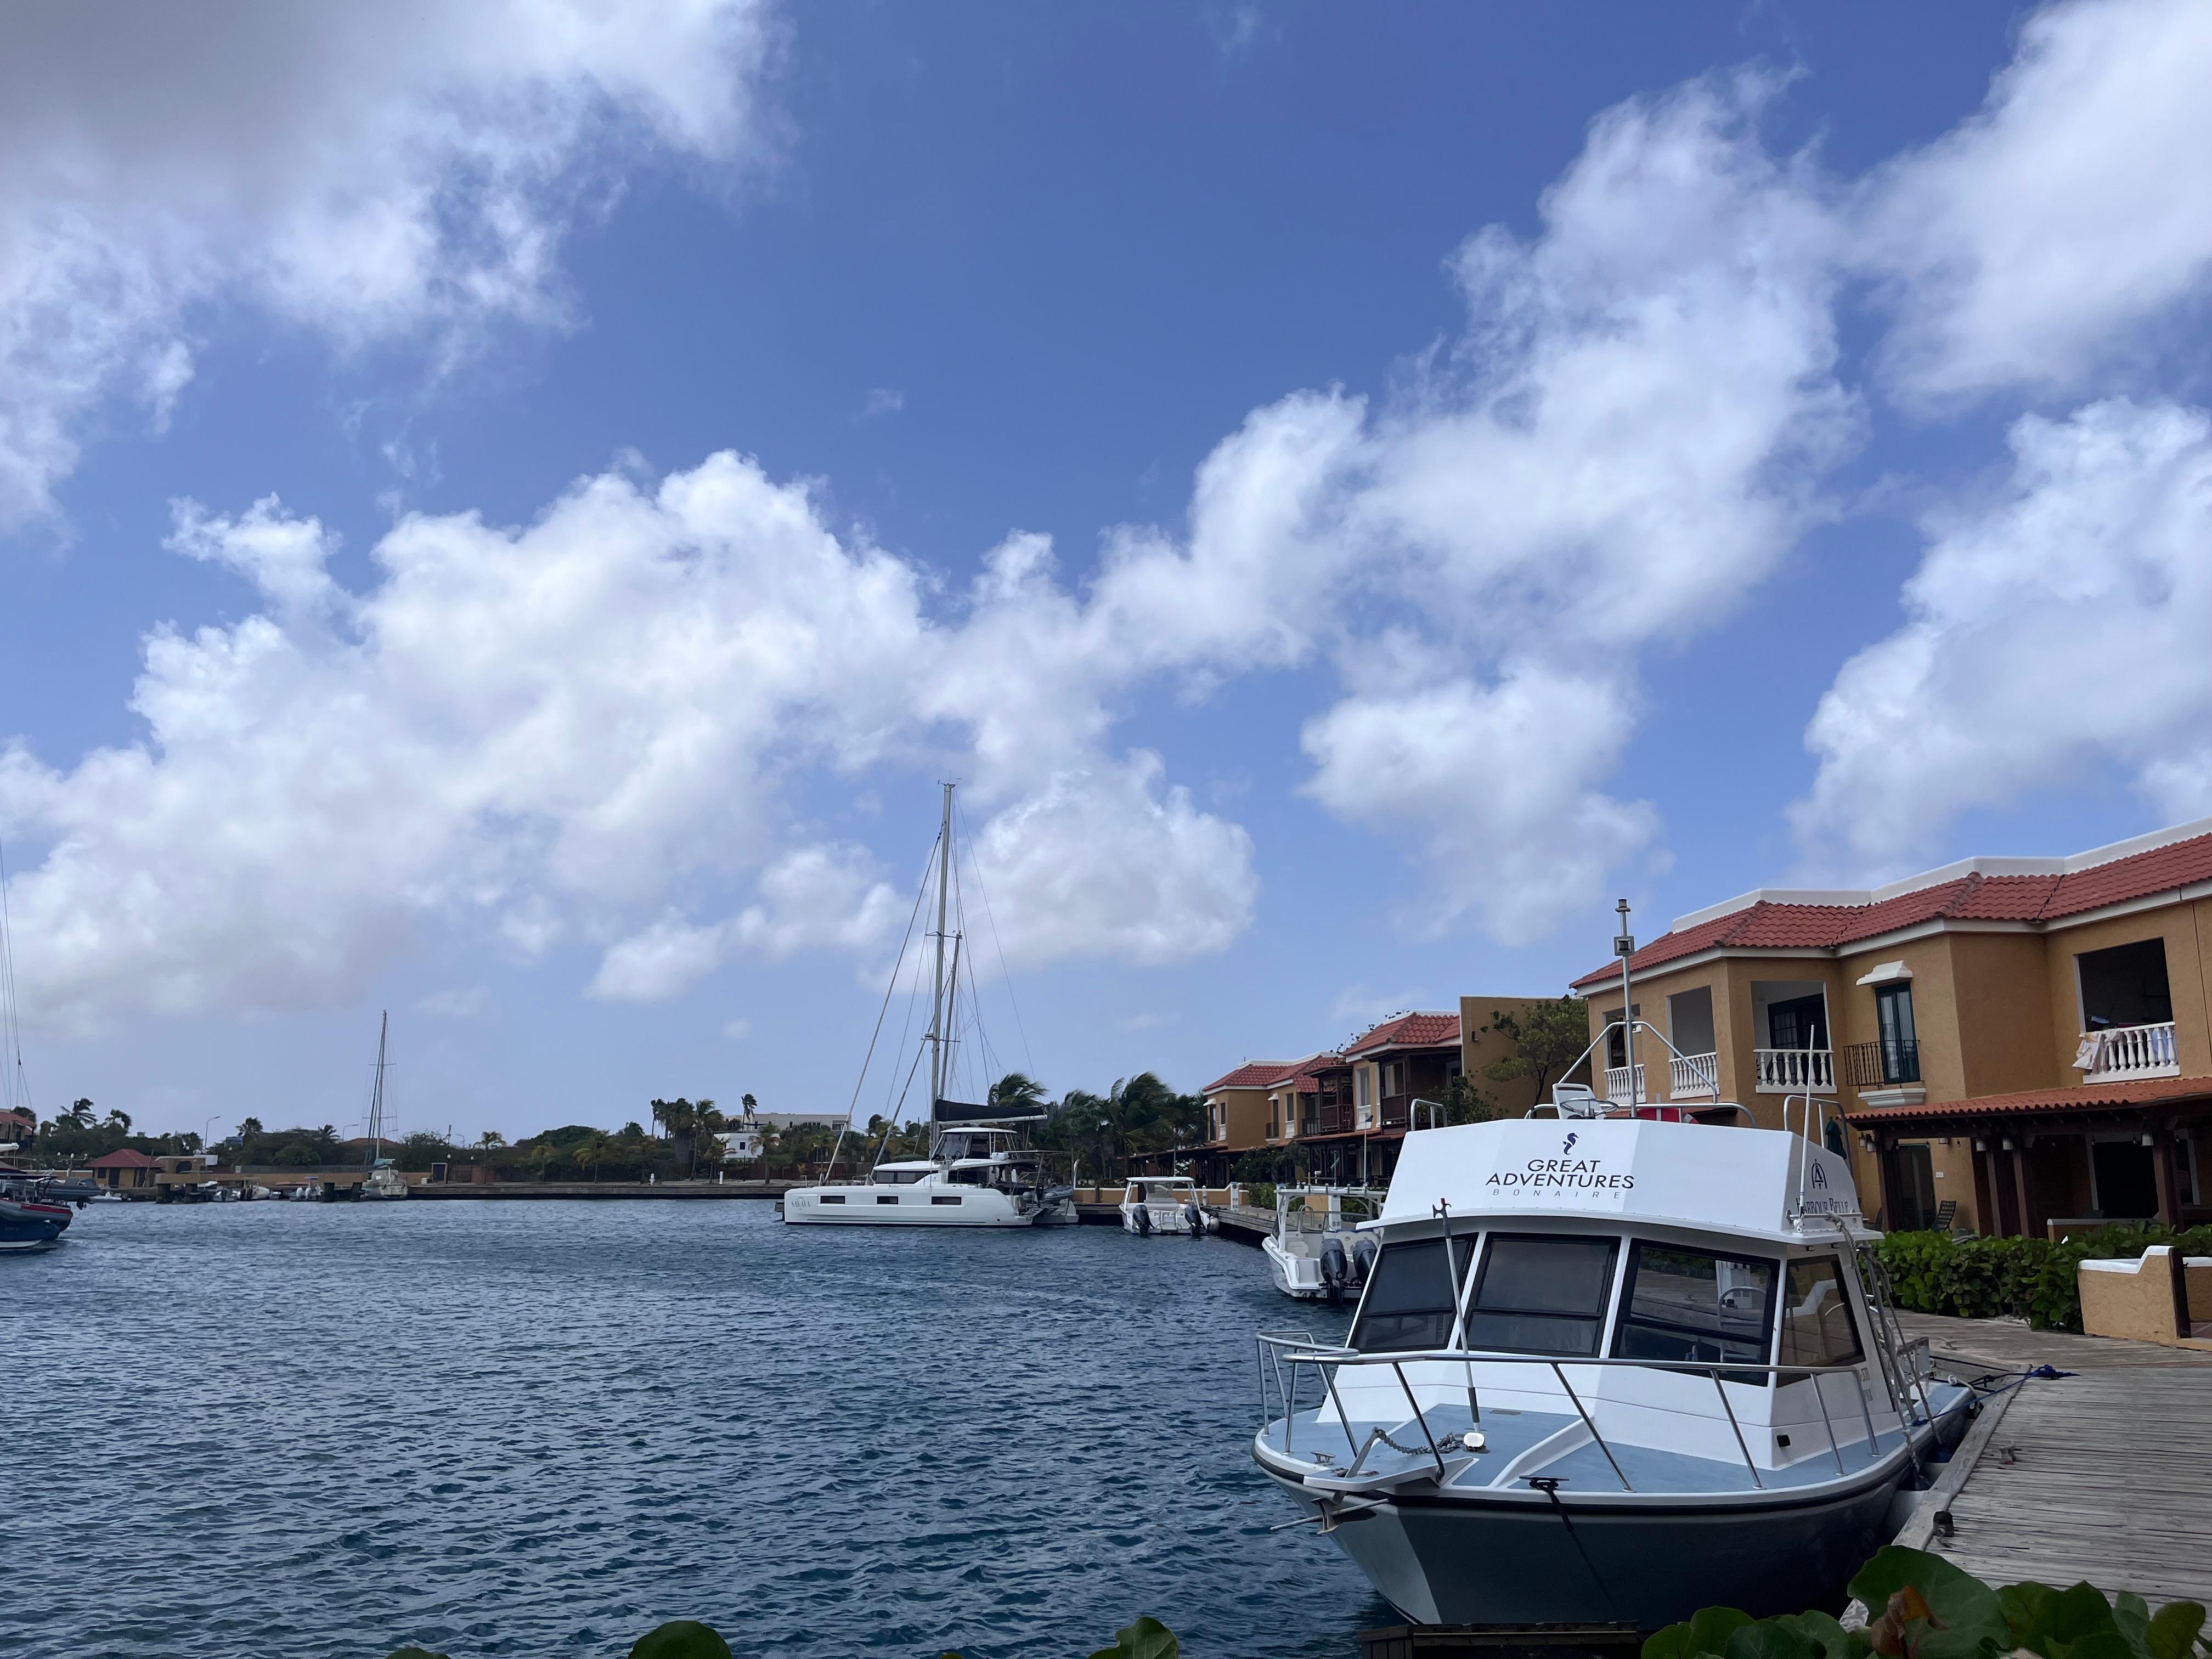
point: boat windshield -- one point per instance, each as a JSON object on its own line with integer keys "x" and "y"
{"x": 1695, "y": 1305}
{"x": 1541, "y": 1294}
{"x": 1409, "y": 1304}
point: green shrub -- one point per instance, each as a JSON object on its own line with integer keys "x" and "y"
{"x": 685, "y": 1638}
{"x": 1260, "y": 1194}
{"x": 1924, "y": 1607}
{"x": 2031, "y": 1279}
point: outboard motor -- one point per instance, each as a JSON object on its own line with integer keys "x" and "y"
{"x": 1363, "y": 1258}
{"x": 1196, "y": 1217}
{"x": 1144, "y": 1220}
{"x": 1335, "y": 1271}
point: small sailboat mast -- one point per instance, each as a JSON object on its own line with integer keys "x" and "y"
{"x": 937, "y": 1010}
{"x": 376, "y": 1095}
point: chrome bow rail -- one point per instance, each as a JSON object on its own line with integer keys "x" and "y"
{"x": 1280, "y": 1354}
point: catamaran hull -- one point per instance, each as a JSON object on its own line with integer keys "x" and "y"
{"x": 1450, "y": 1562}
{"x": 805, "y": 1206}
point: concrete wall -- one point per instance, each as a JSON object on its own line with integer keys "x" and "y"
{"x": 1245, "y": 1113}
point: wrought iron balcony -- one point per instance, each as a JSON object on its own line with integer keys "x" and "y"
{"x": 1878, "y": 1065}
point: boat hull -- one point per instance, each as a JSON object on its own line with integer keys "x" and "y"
{"x": 1294, "y": 1276}
{"x": 1450, "y": 1562}
{"x": 28, "y": 1226}
{"x": 908, "y": 1206}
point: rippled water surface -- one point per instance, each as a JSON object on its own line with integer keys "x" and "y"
{"x": 522, "y": 1428}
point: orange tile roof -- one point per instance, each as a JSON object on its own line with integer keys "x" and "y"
{"x": 1409, "y": 1031}
{"x": 1252, "y": 1075}
{"x": 128, "y": 1158}
{"x": 1766, "y": 925}
{"x": 2081, "y": 1098}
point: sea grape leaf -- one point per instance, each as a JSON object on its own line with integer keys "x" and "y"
{"x": 2173, "y": 1630}
{"x": 681, "y": 1638}
{"x": 1948, "y": 1614}
{"x": 1821, "y": 1628}
{"x": 1773, "y": 1638}
{"x": 1147, "y": 1639}
{"x": 1706, "y": 1631}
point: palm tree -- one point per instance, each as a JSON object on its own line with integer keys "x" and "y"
{"x": 81, "y": 1113}
{"x": 1015, "y": 1089}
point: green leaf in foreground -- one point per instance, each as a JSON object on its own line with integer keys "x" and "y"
{"x": 1147, "y": 1639}
{"x": 2173, "y": 1630}
{"x": 683, "y": 1639}
{"x": 1928, "y": 1608}
{"x": 1707, "y": 1630}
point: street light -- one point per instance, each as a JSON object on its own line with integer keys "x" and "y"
{"x": 207, "y": 1128}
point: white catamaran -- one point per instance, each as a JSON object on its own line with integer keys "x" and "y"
{"x": 977, "y": 1173}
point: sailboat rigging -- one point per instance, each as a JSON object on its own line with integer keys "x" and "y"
{"x": 975, "y": 1172}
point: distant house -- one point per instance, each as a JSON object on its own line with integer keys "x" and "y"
{"x": 799, "y": 1120}
{"x": 124, "y": 1171}
{"x": 18, "y": 1128}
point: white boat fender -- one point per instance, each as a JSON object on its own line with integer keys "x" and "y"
{"x": 1473, "y": 1442}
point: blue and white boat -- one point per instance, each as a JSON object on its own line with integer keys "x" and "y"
{"x": 31, "y": 1217}
{"x": 1610, "y": 1370}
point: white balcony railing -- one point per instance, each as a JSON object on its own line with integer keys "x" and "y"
{"x": 1616, "y": 1084}
{"x": 2128, "y": 1051}
{"x": 1696, "y": 1077}
{"x": 1792, "y": 1071}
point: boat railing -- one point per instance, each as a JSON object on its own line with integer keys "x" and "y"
{"x": 1281, "y": 1354}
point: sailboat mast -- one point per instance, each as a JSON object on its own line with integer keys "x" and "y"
{"x": 937, "y": 1006}
{"x": 376, "y": 1098}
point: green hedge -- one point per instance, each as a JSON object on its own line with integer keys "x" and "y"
{"x": 1924, "y": 1607}
{"x": 2028, "y": 1277}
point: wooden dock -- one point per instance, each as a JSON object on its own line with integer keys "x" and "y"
{"x": 2103, "y": 1475}
{"x": 600, "y": 1189}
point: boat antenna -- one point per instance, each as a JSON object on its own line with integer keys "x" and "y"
{"x": 376, "y": 1095}
{"x": 14, "y": 1087}
{"x": 937, "y": 1003}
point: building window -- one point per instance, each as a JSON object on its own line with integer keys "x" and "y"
{"x": 1359, "y": 1097}
{"x": 1900, "y": 1048}
{"x": 2125, "y": 985}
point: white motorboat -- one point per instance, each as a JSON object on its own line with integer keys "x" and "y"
{"x": 1610, "y": 1368}
{"x": 977, "y": 1173}
{"x": 1165, "y": 1204}
{"x": 1316, "y": 1252}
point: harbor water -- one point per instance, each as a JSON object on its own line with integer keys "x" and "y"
{"x": 541, "y": 1428}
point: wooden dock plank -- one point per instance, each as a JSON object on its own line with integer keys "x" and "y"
{"x": 2103, "y": 1475}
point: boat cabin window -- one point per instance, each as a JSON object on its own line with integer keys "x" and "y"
{"x": 1817, "y": 1327}
{"x": 899, "y": 1177}
{"x": 1408, "y": 1303}
{"x": 1540, "y": 1294}
{"x": 1695, "y": 1305}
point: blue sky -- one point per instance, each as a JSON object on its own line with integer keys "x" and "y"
{"x": 1492, "y": 462}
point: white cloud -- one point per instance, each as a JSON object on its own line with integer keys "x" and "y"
{"x": 2059, "y": 631}
{"x": 556, "y": 728}
{"x": 406, "y": 172}
{"x": 737, "y": 1030}
{"x": 1495, "y": 781}
{"x": 1105, "y": 862}
{"x": 2028, "y": 244}
{"x": 880, "y": 401}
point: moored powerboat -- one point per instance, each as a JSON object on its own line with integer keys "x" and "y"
{"x": 1316, "y": 1252}
{"x": 1165, "y": 1204}
{"x": 30, "y": 1217}
{"x": 1610, "y": 1370}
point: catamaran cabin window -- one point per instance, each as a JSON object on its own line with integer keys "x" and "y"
{"x": 1409, "y": 1297}
{"x": 1540, "y": 1295}
{"x": 1697, "y": 1306}
{"x": 900, "y": 1177}
{"x": 1817, "y": 1328}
